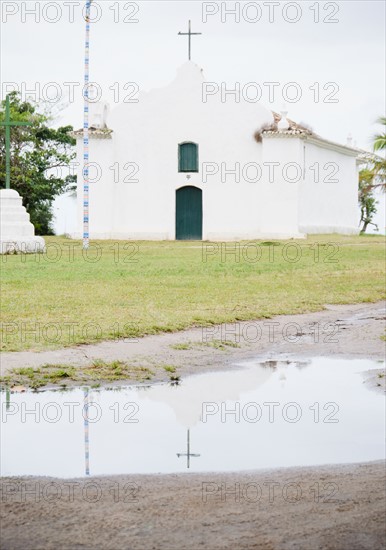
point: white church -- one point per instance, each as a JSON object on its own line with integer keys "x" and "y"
{"x": 185, "y": 163}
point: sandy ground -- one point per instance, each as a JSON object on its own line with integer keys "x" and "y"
{"x": 326, "y": 507}
{"x": 335, "y": 508}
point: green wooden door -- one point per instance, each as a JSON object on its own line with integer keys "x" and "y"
{"x": 189, "y": 213}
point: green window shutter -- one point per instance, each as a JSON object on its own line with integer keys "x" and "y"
{"x": 188, "y": 157}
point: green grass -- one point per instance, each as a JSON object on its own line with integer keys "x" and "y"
{"x": 220, "y": 344}
{"x": 183, "y": 346}
{"x": 213, "y": 343}
{"x": 170, "y": 368}
{"x": 48, "y": 303}
{"x": 96, "y": 372}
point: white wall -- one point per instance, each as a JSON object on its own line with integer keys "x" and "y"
{"x": 64, "y": 208}
{"x": 280, "y": 193}
{"x": 328, "y": 203}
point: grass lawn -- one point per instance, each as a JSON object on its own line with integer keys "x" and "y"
{"x": 63, "y": 298}
{"x": 93, "y": 374}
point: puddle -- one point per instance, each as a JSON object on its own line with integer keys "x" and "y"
{"x": 264, "y": 415}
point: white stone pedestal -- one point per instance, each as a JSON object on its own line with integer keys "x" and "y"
{"x": 17, "y": 234}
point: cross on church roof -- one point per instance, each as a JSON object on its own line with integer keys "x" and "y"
{"x": 189, "y": 34}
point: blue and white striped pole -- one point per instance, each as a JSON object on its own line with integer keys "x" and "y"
{"x": 85, "y": 130}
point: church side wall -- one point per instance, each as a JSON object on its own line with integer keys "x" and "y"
{"x": 328, "y": 199}
{"x": 280, "y": 188}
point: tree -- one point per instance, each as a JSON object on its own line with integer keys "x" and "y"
{"x": 367, "y": 202}
{"x": 40, "y": 159}
{"x": 380, "y": 139}
{"x": 379, "y": 163}
{"x": 372, "y": 177}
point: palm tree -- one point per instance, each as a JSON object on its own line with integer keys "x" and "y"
{"x": 375, "y": 163}
{"x": 371, "y": 177}
{"x": 380, "y": 139}
{"x": 380, "y": 162}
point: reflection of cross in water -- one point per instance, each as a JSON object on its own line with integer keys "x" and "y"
{"x": 86, "y": 441}
{"x": 188, "y": 454}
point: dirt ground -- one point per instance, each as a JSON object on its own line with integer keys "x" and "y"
{"x": 335, "y": 508}
{"x": 339, "y": 330}
{"x": 326, "y": 507}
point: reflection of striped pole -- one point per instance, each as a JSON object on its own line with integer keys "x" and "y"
{"x": 7, "y": 398}
{"x": 86, "y": 440}
{"x": 85, "y": 130}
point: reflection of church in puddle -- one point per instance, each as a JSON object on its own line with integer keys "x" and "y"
{"x": 217, "y": 422}
{"x": 188, "y": 398}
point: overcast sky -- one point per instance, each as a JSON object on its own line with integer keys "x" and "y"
{"x": 349, "y": 53}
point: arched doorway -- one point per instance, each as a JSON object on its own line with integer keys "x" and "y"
{"x": 189, "y": 213}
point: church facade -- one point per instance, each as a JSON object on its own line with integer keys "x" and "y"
{"x": 184, "y": 162}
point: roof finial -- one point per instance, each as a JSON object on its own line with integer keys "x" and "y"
{"x": 283, "y": 122}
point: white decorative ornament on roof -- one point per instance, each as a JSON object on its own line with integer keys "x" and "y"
{"x": 98, "y": 115}
{"x": 283, "y": 122}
